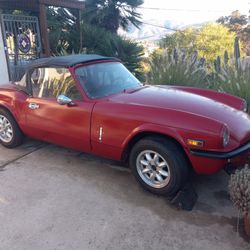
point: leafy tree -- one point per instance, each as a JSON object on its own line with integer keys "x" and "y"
{"x": 235, "y": 22}
{"x": 184, "y": 40}
{"x": 112, "y": 14}
{"x": 211, "y": 40}
{"x": 240, "y": 25}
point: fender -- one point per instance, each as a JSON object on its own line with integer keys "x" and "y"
{"x": 155, "y": 128}
{"x": 8, "y": 107}
{"x": 8, "y": 100}
{"x": 7, "y": 97}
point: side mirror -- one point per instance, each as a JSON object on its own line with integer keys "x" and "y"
{"x": 63, "y": 100}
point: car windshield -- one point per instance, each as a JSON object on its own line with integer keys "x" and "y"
{"x": 105, "y": 79}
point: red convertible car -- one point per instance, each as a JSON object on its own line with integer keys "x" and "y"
{"x": 94, "y": 104}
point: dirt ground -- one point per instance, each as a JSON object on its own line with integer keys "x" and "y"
{"x": 55, "y": 198}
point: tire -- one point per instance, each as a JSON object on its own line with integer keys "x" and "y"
{"x": 14, "y": 136}
{"x": 170, "y": 164}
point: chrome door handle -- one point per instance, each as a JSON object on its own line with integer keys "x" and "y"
{"x": 33, "y": 106}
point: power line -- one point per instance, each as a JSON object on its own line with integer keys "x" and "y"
{"x": 184, "y": 10}
{"x": 163, "y": 27}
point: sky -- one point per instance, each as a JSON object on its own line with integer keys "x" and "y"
{"x": 191, "y": 11}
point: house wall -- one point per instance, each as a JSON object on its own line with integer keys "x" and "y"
{"x": 4, "y": 76}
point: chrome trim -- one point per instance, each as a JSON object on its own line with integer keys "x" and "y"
{"x": 33, "y": 106}
{"x": 100, "y": 134}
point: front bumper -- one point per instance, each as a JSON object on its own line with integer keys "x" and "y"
{"x": 222, "y": 155}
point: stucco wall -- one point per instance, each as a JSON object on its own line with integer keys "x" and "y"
{"x": 4, "y": 77}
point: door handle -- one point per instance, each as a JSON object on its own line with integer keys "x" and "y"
{"x": 33, "y": 106}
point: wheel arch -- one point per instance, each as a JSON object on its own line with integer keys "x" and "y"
{"x": 6, "y": 108}
{"x": 142, "y": 134}
{"x": 9, "y": 110}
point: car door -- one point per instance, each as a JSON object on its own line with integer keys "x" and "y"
{"x": 46, "y": 119}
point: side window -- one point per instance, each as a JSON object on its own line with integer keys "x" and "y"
{"x": 52, "y": 82}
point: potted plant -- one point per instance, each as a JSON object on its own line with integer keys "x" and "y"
{"x": 239, "y": 190}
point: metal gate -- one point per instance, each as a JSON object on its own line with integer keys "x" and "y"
{"x": 22, "y": 42}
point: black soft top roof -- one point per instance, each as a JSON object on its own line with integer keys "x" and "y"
{"x": 68, "y": 61}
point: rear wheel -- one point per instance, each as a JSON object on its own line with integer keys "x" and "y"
{"x": 10, "y": 133}
{"x": 159, "y": 165}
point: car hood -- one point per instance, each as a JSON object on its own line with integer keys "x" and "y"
{"x": 171, "y": 98}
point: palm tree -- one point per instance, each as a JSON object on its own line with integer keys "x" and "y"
{"x": 64, "y": 38}
{"x": 112, "y": 14}
{"x": 63, "y": 29}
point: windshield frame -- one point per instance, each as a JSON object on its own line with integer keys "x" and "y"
{"x": 102, "y": 62}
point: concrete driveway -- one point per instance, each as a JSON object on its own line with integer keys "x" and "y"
{"x": 54, "y": 198}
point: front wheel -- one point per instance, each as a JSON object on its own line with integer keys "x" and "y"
{"x": 159, "y": 165}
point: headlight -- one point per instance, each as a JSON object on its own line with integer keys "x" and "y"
{"x": 225, "y": 136}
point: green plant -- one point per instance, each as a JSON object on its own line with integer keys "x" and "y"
{"x": 177, "y": 68}
{"x": 131, "y": 54}
{"x": 232, "y": 75}
{"x": 239, "y": 189}
{"x": 235, "y": 81}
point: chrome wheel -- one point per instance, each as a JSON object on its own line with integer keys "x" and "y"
{"x": 6, "y": 130}
{"x": 153, "y": 169}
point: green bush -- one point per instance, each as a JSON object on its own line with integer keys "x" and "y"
{"x": 230, "y": 75}
{"x": 234, "y": 79}
{"x": 177, "y": 68}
